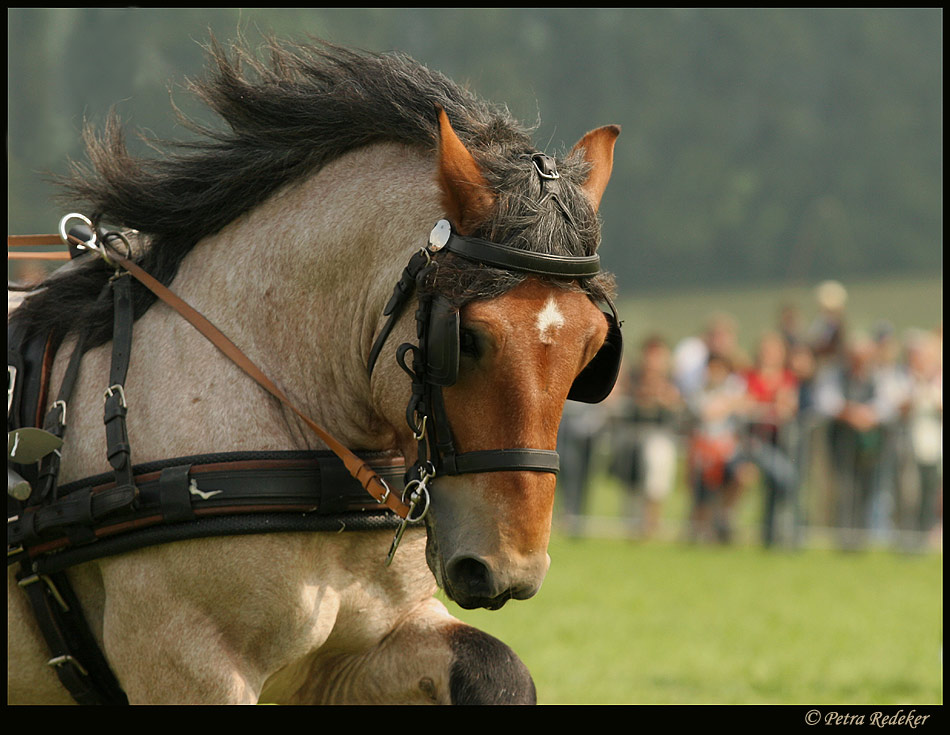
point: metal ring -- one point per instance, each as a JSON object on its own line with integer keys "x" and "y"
{"x": 124, "y": 239}
{"x": 421, "y": 492}
{"x": 74, "y": 215}
{"x": 89, "y": 244}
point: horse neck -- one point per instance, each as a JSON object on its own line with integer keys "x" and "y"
{"x": 300, "y": 282}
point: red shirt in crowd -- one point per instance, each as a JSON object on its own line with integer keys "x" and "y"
{"x": 775, "y": 396}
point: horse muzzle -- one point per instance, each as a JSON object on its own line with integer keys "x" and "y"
{"x": 472, "y": 582}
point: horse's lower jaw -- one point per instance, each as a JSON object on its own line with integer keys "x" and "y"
{"x": 476, "y": 603}
{"x": 473, "y": 597}
{"x": 472, "y": 602}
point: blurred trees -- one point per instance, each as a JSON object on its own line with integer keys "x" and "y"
{"x": 758, "y": 145}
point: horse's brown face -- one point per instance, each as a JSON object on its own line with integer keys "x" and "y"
{"x": 489, "y": 532}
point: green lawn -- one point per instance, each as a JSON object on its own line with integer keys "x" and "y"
{"x": 622, "y": 622}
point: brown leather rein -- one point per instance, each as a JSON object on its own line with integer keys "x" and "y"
{"x": 358, "y": 468}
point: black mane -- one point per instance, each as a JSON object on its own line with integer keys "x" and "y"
{"x": 285, "y": 119}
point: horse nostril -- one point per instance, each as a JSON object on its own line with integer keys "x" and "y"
{"x": 470, "y": 575}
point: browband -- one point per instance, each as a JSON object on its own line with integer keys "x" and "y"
{"x": 509, "y": 258}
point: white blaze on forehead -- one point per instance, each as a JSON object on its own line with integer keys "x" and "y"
{"x": 549, "y": 319}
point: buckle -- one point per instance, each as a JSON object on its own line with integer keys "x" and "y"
{"x": 11, "y": 386}
{"x": 67, "y": 659}
{"x": 545, "y": 166}
{"x": 113, "y": 389}
{"x": 33, "y": 578}
{"x": 62, "y": 406}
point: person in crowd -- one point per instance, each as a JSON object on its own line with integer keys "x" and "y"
{"x": 581, "y": 424}
{"x": 790, "y": 325}
{"x": 691, "y": 355}
{"x": 827, "y": 334}
{"x": 851, "y": 397}
{"x": 645, "y": 422}
{"x": 716, "y": 470}
{"x": 770, "y": 409}
{"x": 893, "y": 384}
{"x": 923, "y": 414}
{"x": 801, "y": 432}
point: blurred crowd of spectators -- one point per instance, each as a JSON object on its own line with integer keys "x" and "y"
{"x": 838, "y": 429}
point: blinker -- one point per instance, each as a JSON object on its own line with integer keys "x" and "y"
{"x": 442, "y": 343}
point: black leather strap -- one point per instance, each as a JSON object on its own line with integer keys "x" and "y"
{"x": 75, "y": 654}
{"x": 174, "y": 497}
{"x": 509, "y": 258}
{"x": 115, "y": 410}
{"x": 55, "y": 421}
{"x": 217, "y": 526}
{"x": 401, "y": 293}
{"x": 502, "y": 460}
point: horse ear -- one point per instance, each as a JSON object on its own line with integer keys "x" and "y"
{"x": 465, "y": 194}
{"x": 598, "y": 146}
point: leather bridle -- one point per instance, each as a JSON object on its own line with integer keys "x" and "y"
{"x": 434, "y": 362}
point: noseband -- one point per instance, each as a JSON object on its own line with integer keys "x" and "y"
{"x": 435, "y": 360}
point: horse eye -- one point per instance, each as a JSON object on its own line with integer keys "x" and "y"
{"x": 468, "y": 343}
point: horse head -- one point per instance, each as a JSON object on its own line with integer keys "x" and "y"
{"x": 494, "y": 372}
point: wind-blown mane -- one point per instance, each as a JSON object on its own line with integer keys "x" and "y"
{"x": 284, "y": 120}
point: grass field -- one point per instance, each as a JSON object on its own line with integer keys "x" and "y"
{"x": 621, "y": 622}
